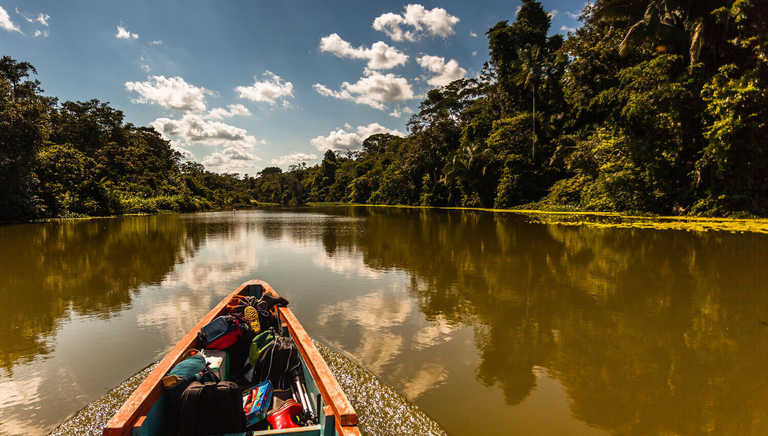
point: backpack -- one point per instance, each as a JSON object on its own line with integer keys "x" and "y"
{"x": 260, "y": 343}
{"x": 220, "y": 333}
{"x": 278, "y": 362}
{"x": 211, "y": 408}
{"x": 192, "y": 369}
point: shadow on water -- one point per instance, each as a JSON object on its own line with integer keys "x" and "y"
{"x": 381, "y": 410}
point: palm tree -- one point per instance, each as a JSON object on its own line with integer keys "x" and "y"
{"x": 531, "y": 71}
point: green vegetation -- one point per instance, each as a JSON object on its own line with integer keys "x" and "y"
{"x": 653, "y": 106}
{"x": 80, "y": 158}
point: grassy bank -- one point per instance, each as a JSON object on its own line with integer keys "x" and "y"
{"x": 605, "y": 219}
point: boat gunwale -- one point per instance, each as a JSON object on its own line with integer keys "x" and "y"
{"x": 141, "y": 400}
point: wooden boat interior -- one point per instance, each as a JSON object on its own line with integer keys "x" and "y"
{"x": 144, "y": 412}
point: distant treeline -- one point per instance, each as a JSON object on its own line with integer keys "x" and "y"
{"x": 656, "y": 106}
{"x": 652, "y": 105}
{"x": 79, "y": 158}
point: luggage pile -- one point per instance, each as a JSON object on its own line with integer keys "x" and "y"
{"x": 245, "y": 376}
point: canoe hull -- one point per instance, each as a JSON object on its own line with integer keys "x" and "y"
{"x": 143, "y": 412}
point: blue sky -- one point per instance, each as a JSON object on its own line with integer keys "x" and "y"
{"x": 241, "y": 85}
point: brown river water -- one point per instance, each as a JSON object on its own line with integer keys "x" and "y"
{"x": 488, "y": 323}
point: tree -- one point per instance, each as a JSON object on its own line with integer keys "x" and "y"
{"x": 24, "y": 127}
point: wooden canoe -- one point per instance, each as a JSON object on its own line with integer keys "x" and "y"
{"x": 143, "y": 412}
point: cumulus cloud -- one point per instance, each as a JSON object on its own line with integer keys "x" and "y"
{"x": 271, "y": 90}
{"x": 293, "y": 158}
{"x": 380, "y": 56}
{"x": 230, "y": 159}
{"x": 374, "y": 89}
{"x": 446, "y": 72}
{"x": 40, "y": 33}
{"x": 236, "y": 144}
{"x": 235, "y": 110}
{"x": 568, "y": 29}
{"x": 417, "y": 21}
{"x": 157, "y": 42}
{"x": 6, "y": 23}
{"x": 122, "y": 33}
{"x": 553, "y": 13}
{"x": 186, "y": 154}
{"x": 170, "y": 93}
{"x": 473, "y": 34}
{"x": 349, "y": 138}
{"x": 572, "y": 15}
{"x": 195, "y": 128}
{"x": 398, "y": 112}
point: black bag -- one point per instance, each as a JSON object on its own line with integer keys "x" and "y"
{"x": 278, "y": 362}
{"x": 211, "y": 408}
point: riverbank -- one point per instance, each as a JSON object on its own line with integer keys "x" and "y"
{"x": 559, "y": 217}
{"x": 605, "y": 219}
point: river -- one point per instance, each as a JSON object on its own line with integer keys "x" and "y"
{"x": 488, "y": 322}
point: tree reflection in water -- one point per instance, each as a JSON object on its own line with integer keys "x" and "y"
{"x": 646, "y": 331}
{"x": 649, "y": 331}
{"x": 90, "y": 267}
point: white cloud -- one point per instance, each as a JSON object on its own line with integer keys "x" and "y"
{"x": 474, "y": 53}
{"x": 568, "y": 29}
{"x": 517, "y": 9}
{"x": 446, "y": 72}
{"x": 235, "y": 110}
{"x": 237, "y": 145}
{"x": 157, "y": 42}
{"x": 473, "y": 34}
{"x": 271, "y": 90}
{"x": 553, "y": 13}
{"x": 6, "y": 23}
{"x": 293, "y": 158}
{"x": 398, "y": 112}
{"x": 40, "y": 19}
{"x": 144, "y": 65}
{"x": 380, "y": 56}
{"x": 573, "y": 15}
{"x": 230, "y": 159}
{"x": 186, "y": 154}
{"x": 434, "y": 22}
{"x": 40, "y": 33}
{"x": 197, "y": 129}
{"x": 342, "y": 139}
{"x": 122, "y": 33}
{"x": 171, "y": 93}
{"x": 374, "y": 89}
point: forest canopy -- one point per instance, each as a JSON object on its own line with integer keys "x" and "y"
{"x": 656, "y": 106}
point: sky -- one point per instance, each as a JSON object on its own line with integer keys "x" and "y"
{"x": 243, "y": 85}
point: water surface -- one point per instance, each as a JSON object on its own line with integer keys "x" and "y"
{"x": 490, "y": 323}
